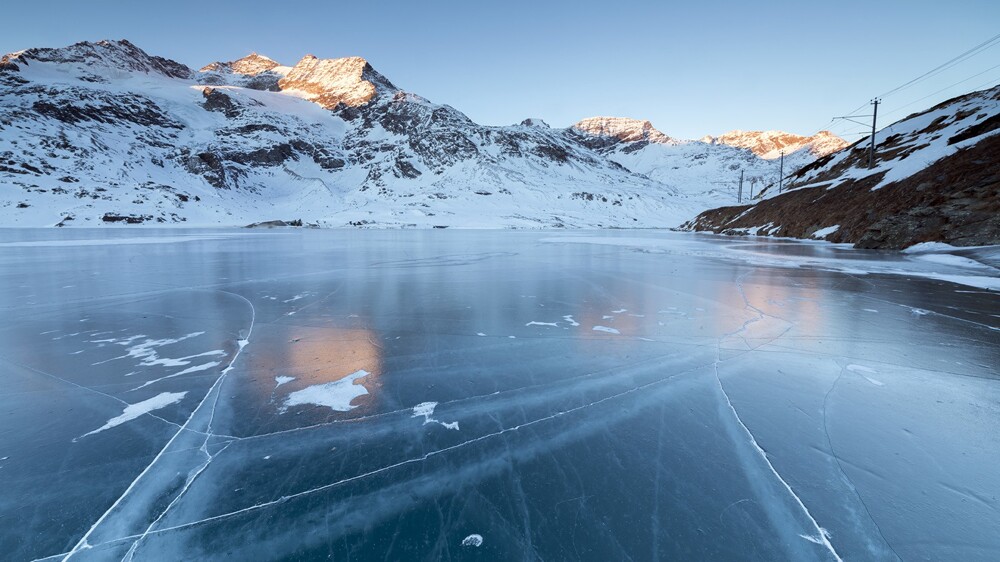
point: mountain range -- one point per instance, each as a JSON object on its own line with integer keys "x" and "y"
{"x": 104, "y": 133}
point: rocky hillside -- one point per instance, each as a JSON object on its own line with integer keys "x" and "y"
{"x": 936, "y": 178}
{"x": 104, "y": 133}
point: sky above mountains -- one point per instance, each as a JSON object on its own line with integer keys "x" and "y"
{"x": 692, "y": 69}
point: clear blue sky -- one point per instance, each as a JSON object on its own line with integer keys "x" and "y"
{"x": 692, "y": 68}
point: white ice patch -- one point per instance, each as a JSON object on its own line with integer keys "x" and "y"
{"x": 473, "y": 540}
{"x": 280, "y": 380}
{"x": 569, "y": 318}
{"x": 870, "y": 310}
{"x": 952, "y": 260}
{"x": 606, "y": 329}
{"x": 426, "y": 409}
{"x": 862, "y": 370}
{"x": 145, "y": 351}
{"x": 133, "y": 411}
{"x": 182, "y": 361}
{"x": 480, "y": 334}
{"x": 533, "y": 323}
{"x": 189, "y": 370}
{"x": 619, "y": 311}
{"x": 335, "y": 395}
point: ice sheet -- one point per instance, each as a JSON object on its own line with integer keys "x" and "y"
{"x": 746, "y": 408}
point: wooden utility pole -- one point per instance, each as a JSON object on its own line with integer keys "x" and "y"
{"x": 781, "y": 172}
{"x": 871, "y": 149}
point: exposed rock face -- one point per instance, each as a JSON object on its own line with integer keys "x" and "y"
{"x": 253, "y": 71}
{"x": 535, "y": 122}
{"x": 329, "y": 82}
{"x": 622, "y": 129}
{"x": 250, "y": 65}
{"x": 936, "y": 179}
{"x": 770, "y": 144}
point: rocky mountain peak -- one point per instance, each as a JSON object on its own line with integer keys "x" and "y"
{"x": 329, "y": 82}
{"x": 770, "y": 144}
{"x": 120, "y": 55}
{"x": 250, "y": 65}
{"x": 535, "y": 122}
{"x": 622, "y": 129}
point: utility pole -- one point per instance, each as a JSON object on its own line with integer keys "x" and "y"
{"x": 781, "y": 173}
{"x": 739, "y": 194}
{"x": 871, "y": 150}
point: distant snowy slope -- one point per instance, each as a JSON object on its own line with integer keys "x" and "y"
{"x": 770, "y": 144}
{"x": 703, "y": 170}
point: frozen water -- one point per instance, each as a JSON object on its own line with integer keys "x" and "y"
{"x": 763, "y": 399}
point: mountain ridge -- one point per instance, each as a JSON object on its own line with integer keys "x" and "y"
{"x": 103, "y": 133}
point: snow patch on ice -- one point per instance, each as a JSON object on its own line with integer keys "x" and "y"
{"x": 606, "y": 329}
{"x": 862, "y": 370}
{"x": 189, "y": 370}
{"x": 281, "y": 379}
{"x": 473, "y": 540}
{"x": 335, "y": 395}
{"x": 533, "y": 323}
{"x": 426, "y": 409}
{"x": 569, "y": 318}
{"x": 133, "y": 411}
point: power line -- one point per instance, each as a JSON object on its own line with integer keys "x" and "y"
{"x": 967, "y": 54}
{"x": 991, "y": 42}
{"x": 902, "y": 107}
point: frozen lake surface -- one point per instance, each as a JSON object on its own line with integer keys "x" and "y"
{"x": 493, "y": 395}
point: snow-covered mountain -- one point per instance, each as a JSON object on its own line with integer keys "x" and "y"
{"x": 706, "y": 171}
{"x": 936, "y": 177}
{"x": 100, "y": 133}
{"x": 770, "y": 144}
